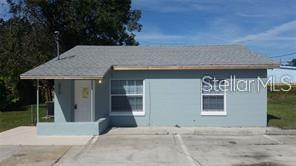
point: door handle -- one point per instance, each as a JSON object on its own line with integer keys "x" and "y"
{"x": 75, "y": 106}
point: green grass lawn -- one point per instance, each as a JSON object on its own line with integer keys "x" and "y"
{"x": 282, "y": 109}
{"x": 21, "y": 116}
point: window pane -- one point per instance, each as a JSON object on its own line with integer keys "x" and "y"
{"x": 213, "y": 103}
{"x": 139, "y": 87}
{"x": 127, "y": 87}
{"x": 127, "y": 103}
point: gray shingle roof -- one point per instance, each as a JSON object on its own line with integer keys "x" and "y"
{"x": 95, "y": 61}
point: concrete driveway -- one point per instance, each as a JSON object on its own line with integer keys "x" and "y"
{"x": 160, "y": 148}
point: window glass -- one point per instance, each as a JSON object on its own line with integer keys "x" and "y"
{"x": 213, "y": 97}
{"x": 127, "y": 103}
{"x": 126, "y": 87}
{"x": 213, "y": 102}
{"x": 127, "y": 96}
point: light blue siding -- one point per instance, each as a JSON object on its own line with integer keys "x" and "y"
{"x": 63, "y": 100}
{"x": 102, "y": 98}
{"x": 174, "y": 98}
{"x": 171, "y": 98}
{"x": 174, "y": 101}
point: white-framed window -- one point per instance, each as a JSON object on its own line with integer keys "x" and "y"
{"x": 213, "y": 98}
{"x": 127, "y": 97}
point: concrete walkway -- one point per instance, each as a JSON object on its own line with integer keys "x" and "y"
{"x": 218, "y": 131}
{"x": 27, "y": 135}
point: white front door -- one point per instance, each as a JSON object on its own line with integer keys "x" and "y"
{"x": 82, "y": 99}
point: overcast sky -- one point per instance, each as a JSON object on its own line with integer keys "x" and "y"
{"x": 266, "y": 26}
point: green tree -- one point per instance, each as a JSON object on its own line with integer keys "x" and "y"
{"x": 27, "y": 37}
{"x": 23, "y": 47}
{"x": 89, "y": 22}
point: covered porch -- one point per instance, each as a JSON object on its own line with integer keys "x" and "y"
{"x": 75, "y": 109}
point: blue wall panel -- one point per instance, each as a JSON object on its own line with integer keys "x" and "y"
{"x": 63, "y": 100}
{"x": 171, "y": 98}
{"x": 174, "y": 98}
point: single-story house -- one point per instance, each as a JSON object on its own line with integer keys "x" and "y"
{"x": 97, "y": 87}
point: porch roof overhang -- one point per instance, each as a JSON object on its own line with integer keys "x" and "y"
{"x": 60, "y": 77}
{"x": 141, "y": 68}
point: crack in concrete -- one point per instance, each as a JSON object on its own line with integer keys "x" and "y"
{"x": 193, "y": 161}
{"x": 59, "y": 158}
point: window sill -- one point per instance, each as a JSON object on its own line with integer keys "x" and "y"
{"x": 127, "y": 113}
{"x": 213, "y": 113}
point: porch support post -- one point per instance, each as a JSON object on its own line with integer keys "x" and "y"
{"x": 37, "y": 104}
{"x": 92, "y": 101}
